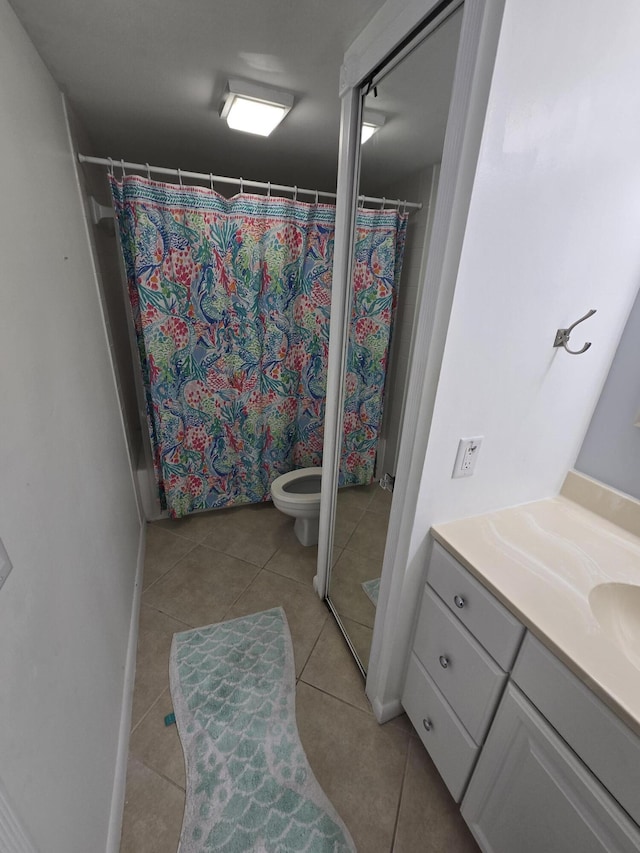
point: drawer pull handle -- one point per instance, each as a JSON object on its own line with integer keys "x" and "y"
{"x": 458, "y": 600}
{"x": 444, "y": 662}
{"x": 427, "y": 724}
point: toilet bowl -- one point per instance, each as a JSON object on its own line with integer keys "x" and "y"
{"x": 297, "y": 494}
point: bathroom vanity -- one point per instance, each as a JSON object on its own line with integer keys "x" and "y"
{"x": 524, "y": 676}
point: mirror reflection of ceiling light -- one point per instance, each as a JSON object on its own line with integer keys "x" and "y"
{"x": 253, "y": 108}
{"x": 371, "y": 122}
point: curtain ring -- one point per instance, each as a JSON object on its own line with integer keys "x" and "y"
{"x": 384, "y": 201}
{"x": 211, "y": 180}
{"x": 148, "y": 171}
{"x": 316, "y": 196}
{"x": 124, "y": 174}
{"x": 110, "y": 167}
{"x": 269, "y": 190}
{"x": 241, "y": 186}
{"x": 180, "y": 176}
{"x": 404, "y": 208}
{"x": 295, "y": 193}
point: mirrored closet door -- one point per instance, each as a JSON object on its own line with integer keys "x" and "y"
{"x": 404, "y": 117}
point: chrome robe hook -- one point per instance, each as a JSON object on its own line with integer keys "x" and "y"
{"x": 562, "y": 335}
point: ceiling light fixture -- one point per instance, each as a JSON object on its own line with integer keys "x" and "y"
{"x": 253, "y": 108}
{"x": 371, "y": 122}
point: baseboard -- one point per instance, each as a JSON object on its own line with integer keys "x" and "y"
{"x": 383, "y": 712}
{"x": 120, "y": 780}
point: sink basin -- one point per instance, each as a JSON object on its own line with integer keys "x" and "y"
{"x": 616, "y": 606}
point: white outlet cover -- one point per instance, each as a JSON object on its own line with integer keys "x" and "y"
{"x": 5, "y": 564}
{"x": 466, "y": 457}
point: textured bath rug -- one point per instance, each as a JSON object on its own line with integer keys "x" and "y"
{"x": 372, "y": 589}
{"x": 249, "y": 784}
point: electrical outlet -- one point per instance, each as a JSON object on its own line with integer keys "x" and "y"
{"x": 5, "y": 564}
{"x": 468, "y": 450}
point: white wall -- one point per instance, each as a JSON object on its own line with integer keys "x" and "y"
{"x": 67, "y": 508}
{"x": 611, "y": 448}
{"x": 552, "y": 231}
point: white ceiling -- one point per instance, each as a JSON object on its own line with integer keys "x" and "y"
{"x": 146, "y": 78}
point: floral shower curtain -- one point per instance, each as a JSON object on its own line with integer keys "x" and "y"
{"x": 230, "y": 301}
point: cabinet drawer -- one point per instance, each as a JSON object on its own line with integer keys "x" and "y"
{"x": 603, "y": 742}
{"x": 446, "y": 740}
{"x": 489, "y": 622}
{"x": 469, "y": 679}
{"x": 529, "y": 793}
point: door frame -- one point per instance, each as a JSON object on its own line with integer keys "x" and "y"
{"x": 383, "y": 37}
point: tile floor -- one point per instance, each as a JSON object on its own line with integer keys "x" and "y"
{"x": 233, "y": 562}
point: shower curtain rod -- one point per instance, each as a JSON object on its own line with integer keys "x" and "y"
{"x": 241, "y": 182}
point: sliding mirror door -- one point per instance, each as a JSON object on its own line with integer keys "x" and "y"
{"x": 405, "y": 110}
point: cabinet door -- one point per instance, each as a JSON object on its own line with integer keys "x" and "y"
{"x": 529, "y": 793}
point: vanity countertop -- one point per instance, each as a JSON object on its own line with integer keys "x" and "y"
{"x": 543, "y": 561}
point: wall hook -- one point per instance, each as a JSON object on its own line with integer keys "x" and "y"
{"x": 562, "y": 335}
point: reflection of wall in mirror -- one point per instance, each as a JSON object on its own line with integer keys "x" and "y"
{"x": 611, "y": 448}
{"x": 420, "y": 187}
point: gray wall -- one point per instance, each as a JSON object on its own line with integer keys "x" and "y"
{"x": 611, "y": 448}
{"x": 68, "y": 514}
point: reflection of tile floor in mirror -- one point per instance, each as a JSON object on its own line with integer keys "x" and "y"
{"x": 362, "y": 517}
{"x": 231, "y": 562}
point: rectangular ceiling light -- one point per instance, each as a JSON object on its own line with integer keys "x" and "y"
{"x": 253, "y": 108}
{"x": 371, "y": 122}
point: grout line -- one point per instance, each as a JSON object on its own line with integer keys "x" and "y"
{"x": 169, "y": 569}
{"x": 369, "y": 714}
{"x": 161, "y": 775}
{"x": 238, "y": 597}
{"x": 169, "y": 615}
{"x": 317, "y": 640}
{"x": 306, "y": 584}
{"x": 149, "y": 710}
{"x": 402, "y": 784}
{"x": 174, "y": 532}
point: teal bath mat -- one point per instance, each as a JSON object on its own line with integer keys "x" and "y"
{"x": 249, "y": 783}
{"x": 372, "y": 589}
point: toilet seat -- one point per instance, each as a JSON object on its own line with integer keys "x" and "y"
{"x": 301, "y": 505}
{"x": 280, "y": 492}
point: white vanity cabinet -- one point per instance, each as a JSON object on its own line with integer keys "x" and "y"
{"x": 530, "y": 793}
{"x": 556, "y": 767}
{"x": 464, "y": 642}
{"x": 553, "y": 769}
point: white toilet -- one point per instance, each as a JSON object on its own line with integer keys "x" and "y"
{"x": 297, "y": 494}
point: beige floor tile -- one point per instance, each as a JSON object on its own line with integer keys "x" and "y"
{"x": 347, "y": 518}
{"x": 251, "y": 533}
{"x": 404, "y": 723}
{"x": 361, "y": 637}
{"x": 331, "y": 668}
{"x": 345, "y": 590}
{"x": 162, "y": 552}
{"x": 152, "y": 814}
{"x": 306, "y": 613}
{"x": 201, "y": 587}
{"x": 381, "y": 502}
{"x": 158, "y": 746}
{"x": 152, "y": 661}
{"x": 194, "y": 527}
{"x": 296, "y": 561}
{"x": 358, "y": 763}
{"x": 357, "y": 497}
{"x": 369, "y": 537}
{"x": 429, "y": 819}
